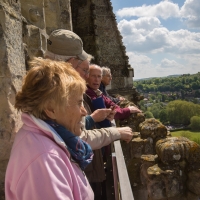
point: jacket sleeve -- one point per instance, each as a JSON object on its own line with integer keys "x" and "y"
{"x": 49, "y": 178}
{"x": 103, "y": 89}
{"x": 115, "y": 100}
{"x": 121, "y": 113}
{"x": 98, "y": 138}
{"x": 89, "y": 122}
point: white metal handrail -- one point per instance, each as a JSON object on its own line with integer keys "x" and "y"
{"x": 122, "y": 184}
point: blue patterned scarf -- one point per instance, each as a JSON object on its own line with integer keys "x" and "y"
{"x": 80, "y": 151}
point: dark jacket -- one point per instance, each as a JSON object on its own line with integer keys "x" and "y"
{"x": 103, "y": 89}
{"x": 95, "y": 170}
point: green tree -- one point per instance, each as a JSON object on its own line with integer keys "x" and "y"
{"x": 152, "y": 96}
{"x": 182, "y": 94}
{"x": 155, "y": 109}
{"x": 139, "y": 86}
{"x": 178, "y": 86}
{"x": 157, "y": 81}
{"x": 195, "y": 85}
{"x": 164, "y": 97}
{"x": 180, "y": 112}
{"x": 197, "y": 93}
{"x": 148, "y": 114}
{"x": 195, "y": 123}
{"x": 163, "y": 116}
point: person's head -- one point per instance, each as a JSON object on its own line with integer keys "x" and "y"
{"x": 106, "y": 76}
{"x": 53, "y": 90}
{"x": 95, "y": 76}
{"x": 65, "y": 45}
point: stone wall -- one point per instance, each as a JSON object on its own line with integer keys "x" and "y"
{"x": 94, "y": 21}
{"x": 24, "y": 28}
{"x": 12, "y": 69}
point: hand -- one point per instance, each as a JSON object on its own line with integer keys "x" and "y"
{"x": 100, "y": 114}
{"x": 134, "y": 109}
{"x": 121, "y": 98}
{"x": 112, "y": 114}
{"x": 126, "y": 133}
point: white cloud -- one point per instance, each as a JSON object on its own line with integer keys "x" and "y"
{"x": 144, "y": 68}
{"x": 164, "y": 9}
{"x": 190, "y": 12}
{"x": 142, "y": 24}
{"x": 157, "y": 38}
{"x": 166, "y": 63}
{"x": 141, "y": 64}
{"x": 169, "y": 51}
{"x": 192, "y": 63}
{"x": 184, "y": 42}
{"x": 139, "y": 59}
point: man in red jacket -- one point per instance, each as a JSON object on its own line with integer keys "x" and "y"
{"x": 93, "y": 84}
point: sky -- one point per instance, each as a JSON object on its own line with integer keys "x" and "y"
{"x": 162, "y": 38}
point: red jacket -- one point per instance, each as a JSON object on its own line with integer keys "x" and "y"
{"x": 121, "y": 113}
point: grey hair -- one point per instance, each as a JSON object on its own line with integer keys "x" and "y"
{"x": 105, "y": 70}
{"x": 94, "y": 66}
{"x": 57, "y": 57}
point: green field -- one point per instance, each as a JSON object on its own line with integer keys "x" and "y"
{"x": 194, "y": 136}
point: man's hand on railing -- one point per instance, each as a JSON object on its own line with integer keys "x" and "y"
{"x": 126, "y": 133}
{"x": 134, "y": 109}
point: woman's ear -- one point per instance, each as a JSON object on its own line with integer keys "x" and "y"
{"x": 50, "y": 111}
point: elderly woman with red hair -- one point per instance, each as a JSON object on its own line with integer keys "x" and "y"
{"x": 48, "y": 157}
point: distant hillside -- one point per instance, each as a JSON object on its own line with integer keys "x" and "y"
{"x": 174, "y": 75}
{"x": 185, "y": 83}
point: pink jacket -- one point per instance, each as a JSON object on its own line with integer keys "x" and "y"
{"x": 40, "y": 166}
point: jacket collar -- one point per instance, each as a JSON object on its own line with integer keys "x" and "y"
{"x": 31, "y": 121}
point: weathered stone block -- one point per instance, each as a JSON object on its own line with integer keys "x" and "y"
{"x": 147, "y": 161}
{"x": 133, "y": 168}
{"x": 164, "y": 184}
{"x": 194, "y": 156}
{"x": 152, "y": 128}
{"x": 175, "y": 149}
{"x": 193, "y": 182}
{"x": 133, "y": 121}
{"x": 141, "y": 146}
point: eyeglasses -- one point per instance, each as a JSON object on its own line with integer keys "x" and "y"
{"x": 86, "y": 71}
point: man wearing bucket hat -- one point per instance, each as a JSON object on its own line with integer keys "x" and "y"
{"x": 65, "y": 45}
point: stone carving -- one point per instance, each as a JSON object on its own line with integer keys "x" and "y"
{"x": 33, "y": 13}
